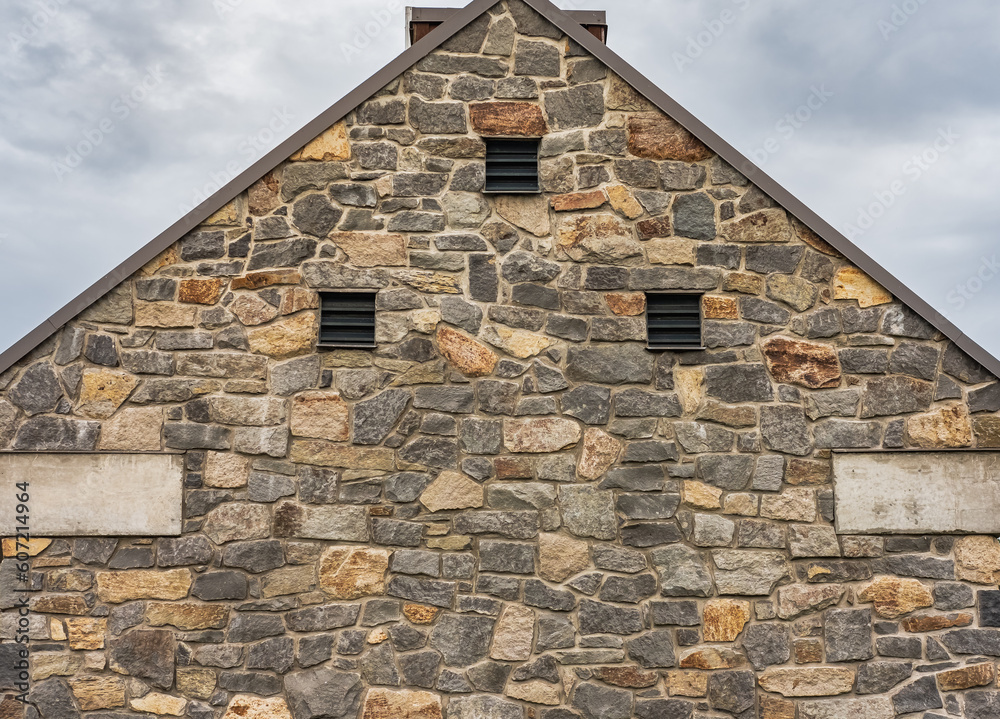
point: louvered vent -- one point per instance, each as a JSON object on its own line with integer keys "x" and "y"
{"x": 511, "y": 165}
{"x": 673, "y": 321}
{"x": 347, "y": 319}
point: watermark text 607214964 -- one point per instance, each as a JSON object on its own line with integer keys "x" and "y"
{"x": 21, "y": 551}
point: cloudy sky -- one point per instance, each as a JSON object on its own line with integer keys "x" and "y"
{"x": 882, "y": 115}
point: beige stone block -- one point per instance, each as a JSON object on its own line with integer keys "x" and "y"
{"x": 389, "y": 704}
{"x": 808, "y": 682}
{"x": 671, "y": 252}
{"x": 187, "y": 616}
{"x": 763, "y": 226}
{"x": 435, "y": 283}
{"x": 561, "y": 557}
{"x": 49, "y": 664}
{"x": 724, "y": 619}
{"x": 164, "y": 315}
{"x": 98, "y": 692}
{"x": 700, "y": 495}
{"x": 540, "y": 435}
{"x": 600, "y": 451}
{"x": 372, "y": 249}
{"x": 894, "y": 597}
{"x": 331, "y": 146}
{"x": 325, "y": 454}
{"x": 285, "y": 338}
{"x": 514, "y": 634}
{"x": 944, "y": 428}
{"x": 623, "y": 202}
{"x": 850, "y": 283}
{"x": 135, "y": 429}
{"x": 247, "y": 706}
{"x": 686, "y": 684}
{"x": 157, "y": 703}
{"x": 102, "y": 392}
{"x": 226, "y": 470}
{"x": 351, "y": 573}
{"x": 320, "y": 415}
{"x": 518, "y": 343}
{"x": 86, "y": 632}
{"x": 528, "y": 212}
{"x": 196, "y": 683}
{"x": 118, "y": 587}
{"x": 534, "y": 692}
{"x": 452, "y": 490}
{"x": 251, "y": 310}
{"x": 32, "y": 547}
{"x": 425, "y": 321}
{"x": 290, "y": 580}
{"x": 977, "y": 559}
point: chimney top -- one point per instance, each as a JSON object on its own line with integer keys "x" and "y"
{"x": 420, "y": 21}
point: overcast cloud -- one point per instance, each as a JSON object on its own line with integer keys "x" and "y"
{"x": 841, "y": 102}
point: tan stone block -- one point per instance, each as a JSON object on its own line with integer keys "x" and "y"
{"x": 600, "y": 450}
{"x": 579, "y": 201}
{"x": 86, "y": 632}
{"x": 534, "y": 692}
{"x": 285, "y": 338}
{"x": 187, "y": 616}
{"x": 377, "y": 636}
{"x": 297, "y": 299}
{"x": 807, "y": 472}
{"x": 518, "y": 343}
{"x": 936, "y": 622}
{"x": 96, "y": 692}
{"x": 325, "y": 454}
{"x": 388, "y": 704}
{"x": 797, "y": 599}
{"x": 850, "y": 283}
{"x": 353, "y": 572}
{"x": 540, "y": 436}
{"x": 624, "y": 202}
{"x": 263, "y": 196}
{"x": 658, "y": 137}
{"x": 671, "y": 252}
{"x": 330, "y": 146}
{"x": 987, "y": 430}
{"x": 720, "y": 308}
{"x": 724, "y": 619}
{"x": 628, "y": 677}
{"x": 626, "y": 304}
{"x": 51, "y": 562}
{"x": 60, "y": 604}
{"x": 290, "y": 580}
{"x": 229, "y": 215}
{"x": 974, "y": 675}
{"x": 251, "y": 310}
{"x": 57, "y": 632}
{"x": 508, "y": 118}
{"x": 103, "y": 391}
{"x": 452, "y": 490}
{"x": 514, "y": 634}
{"x": 808, "y": 651}
{"x": 247, "y": 706}
{"x": 621, "y": 95}
{"x": 764, "y": 226}
{"x": 321, "y": 415}
{"x": 743, "y": 282}
{"x": 700, "y": 495}
{"x": 170, "y": 256}
{"x": 776, "y": 708}
{"x": 70, "y": 580}
{"x": 195, "y": 682}
{"x": 259, "y": 280}
{"x": 808, "y": 682}
{"x": 164, "y": 315}
{"x": 686, "y": 684}
{"x": 436, "y": 283}
{"x": 560, "y": 557}
{"x": 420, "y": 614}
{"x": 689, "y": 385}
{"x": 454, "y": 543}
{"x": 738, "y": 416}
{"x": 372, "y": 249}
{"x": 597, "y": 238}
{"x": 157, "y": 703}
{"x": 226, "y": 470}
{"x": 468, "y": 356}
{"x": 977, "y": 559}
{"x": 94, "y": 661}
{"x": 713, "y": 658}
{"x": 528, "y": 212}
{"x": 135, "y": 429}
{"x": 201, "y": 292}
{"x": 11, "y": 708}
{"x": 425, "y": 321}
{"x": 894, "y": 597}
{"x": 949, "y": 427}
{"x": 32, "y": 547}
{"x": 49, "y": 664}
{"x": 793, "y": 505}
{"x": 118, "y": 587}
{"x": 808, "y": 364}
{"x": 741, "y": 504}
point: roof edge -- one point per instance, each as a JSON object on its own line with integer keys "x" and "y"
{"x": 412, "y": 55}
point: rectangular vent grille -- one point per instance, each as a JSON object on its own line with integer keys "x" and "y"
{"x": 511, "y": 165}
{"x": 673, "y": 321}
{"x": 347, "y": 319}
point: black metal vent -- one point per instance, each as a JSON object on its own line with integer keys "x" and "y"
{"x": 347, "y": 319}
{"x": 511, "y": 165}
{"x": 673, "y": 321}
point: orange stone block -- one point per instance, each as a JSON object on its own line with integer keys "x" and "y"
{"x": 508, "y": 118}
{"x": 579, "y": 201}
{"x": 724, "y": 619}
{"x": 626, "y": 304}
{"x": 658, "y": 137}
{"x": 975, "y": 675}
{"x": 201, "y": 292}
{"x": 933, "y": 623}
{"x": 256, "y": 280}
{"x": 419, "y": 614}
{"x": 629, "y": 677}
{"x": 720, "y": 308}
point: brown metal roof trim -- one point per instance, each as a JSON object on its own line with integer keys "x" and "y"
{"x": 397, "y": 67}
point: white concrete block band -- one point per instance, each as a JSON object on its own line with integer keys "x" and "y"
{"x": 95, "y": 495}
{"x": 917, "y": 492}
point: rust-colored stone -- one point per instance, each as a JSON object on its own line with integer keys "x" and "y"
{"x": 935, "y": 622}
{"x": 201, "y": 292}
{"x": 808, "y": 364}
{"x": 388, "y": 704}
{"x": 258, "y": 280}
{"x": 894, "y": 597}
{"x": 944, "y": 428}
{"x": 808, "y": 651}
{"x": 468, "y": 356}
{"x": 656, "y": 227}
{"x": 713, "y": 658}
{"x": 974, "y": 675}
{"x": 296, "y": 299}
{"x": 508, "y": 118}
{"x": 720, "y": 308}
{"x": 807, "y": 472}
{"x": 628, "y": 677}
{"x": 353, "y": 572}
{"x": 579, "y": 201}
{"x": 514, "y": 467}
{"x": 263, "y": 196}
{"x": 600, "y": 450}
{"x": 724, "y": 619}
{"x": 658, "y": 137}
{"x": 420, "y": 614}
{"x": 626, "y": 304}
{"x": 814, "y": 240}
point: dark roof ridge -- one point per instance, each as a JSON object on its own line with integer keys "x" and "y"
{"x": 411, "y": 56}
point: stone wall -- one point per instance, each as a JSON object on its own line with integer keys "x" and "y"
{"x": 511, "y": 508}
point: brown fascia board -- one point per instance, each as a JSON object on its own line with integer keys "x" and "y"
{"x": 398, "y": 66}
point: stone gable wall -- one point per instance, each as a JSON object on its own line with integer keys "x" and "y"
{"x": 511, "y": 508}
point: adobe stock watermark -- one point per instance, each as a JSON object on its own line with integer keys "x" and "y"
{"x": 250, "y": 147}
{"x": 366, "y": 33}
{"x": 791, "y": 123}
{"x": 900, "y": 15}
{"x": 964, "y": 292}
{"x": 714, "y": 29}
{"x": 224, "y": 7}
{"x": 120, "y": 110}
{"x": 911, "y": 171}
{"x": 32, "y": 25}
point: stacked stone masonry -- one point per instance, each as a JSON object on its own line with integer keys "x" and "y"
{"x": 510, "y": 509}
